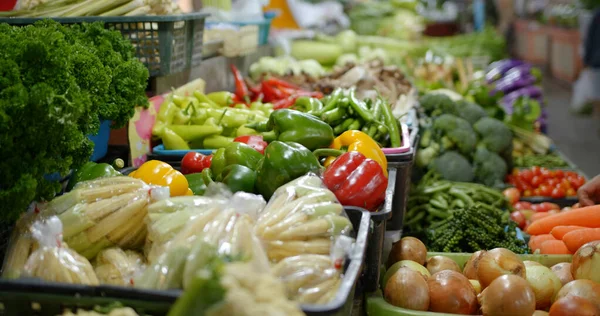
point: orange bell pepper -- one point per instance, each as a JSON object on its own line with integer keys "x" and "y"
{"x": 161, "y": 173}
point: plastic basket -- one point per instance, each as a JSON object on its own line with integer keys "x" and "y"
{"x": 36, "y": 297}
{"x": 100, "y": 141}
{"x": 165, "y": 44}
{"x": 264, "y": 26}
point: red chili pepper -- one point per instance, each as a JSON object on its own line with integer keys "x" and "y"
{"x": 271, "y": 93}
{"x": 356, "y": 181}
{"x": 302, "y": 93}
{"x": 254, "y": 141}
{"x": 284, "y": 103}
{"x": 194, "y": 162}
{"x": 236, "y": 100}
{"x": 285, "y": 84}
{"x": 241, "y": 90}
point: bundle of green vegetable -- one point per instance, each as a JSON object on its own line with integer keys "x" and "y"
{"x": 462, "y": 143}
{"x": 74, "y": 8}
{"x": 56, "y": 83}
{"x": 431, "y": 199}
{"x": 344, "y": 111}
{"x": 547, "y": 161}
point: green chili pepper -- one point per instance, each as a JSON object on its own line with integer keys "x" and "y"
{"x": 194, "y": 132}
{"x": 221, "y": 98}
{"x": 202, "y": 98}
{"x": 172, "y": 141}
{"x": 217, "y": 141}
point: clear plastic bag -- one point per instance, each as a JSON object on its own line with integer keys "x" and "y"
{"x": 302, "y": 217}
{"x": 21, "y": 245}
{"x": 309, "y": 279}
{"x": 116, "y": 266}
{"x": 228, "y": 227}
{"x": 53, "y": 260}
{"x": 106, "y": 212}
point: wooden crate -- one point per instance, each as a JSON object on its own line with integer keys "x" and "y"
{"x": 532, "y": 42}
{"x": 565, "y": 62}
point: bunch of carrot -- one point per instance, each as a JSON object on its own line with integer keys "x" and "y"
{"x": 565, "y": 232}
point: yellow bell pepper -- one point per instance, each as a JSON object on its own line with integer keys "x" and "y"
{"x": 161, "y": 173}
{"x": 358, "y": 141}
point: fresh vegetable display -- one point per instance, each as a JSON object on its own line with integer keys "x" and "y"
{"x": 538, "y": 181}
{"x": 79, "y": 8}
{"x": 546, "y": 161}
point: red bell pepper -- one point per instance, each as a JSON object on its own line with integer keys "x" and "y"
{"x": 356, "y": 181}
{"x": 194, "y": 162}
{"x": 241, "y": 89}
{"x": 254, "y": 141}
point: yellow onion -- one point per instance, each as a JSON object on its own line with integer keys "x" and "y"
{"x": 586, "y": 289}
{"x": 529, "y": 263}
{"x": 507, "y": 295}
{"x": 441, "y": 263}
{"x": 470, "y": 270}
{"x": 563, "y": 272}
{"x": 476, "y": 285}
{"x": 540, "y": 313}
{"x": 498, "y": 262}
{"x": 586, "y": 262}
{"x": 407, "y": 289}
{"x": 405, "y": 264}
{"x": 571, "y": 306}
{"x": 451, "y": 292}
{"x": 544, "y": 283}
{"x": 408, "y": 248}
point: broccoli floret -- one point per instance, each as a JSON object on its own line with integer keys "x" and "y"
{"x": 436, "y": 104}
{"x": 469, "y": 111}
{"x": 490, "y": 169}
{"x": 495, "y": 135}
{"x": 453, "y": 132}
{"x": 454, "y": 167}
{"x": 426, "y": 155}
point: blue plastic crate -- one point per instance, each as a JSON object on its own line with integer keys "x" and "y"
{"x": 100, "y": 141}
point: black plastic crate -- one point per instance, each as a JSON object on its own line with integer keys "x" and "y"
{"x": 36, "y": 297}
{"x": 403, "y": 165}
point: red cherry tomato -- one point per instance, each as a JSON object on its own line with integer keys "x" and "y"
{"x": 577, "y": 182}
{"x": 571, "y": 192}
{"x": 536, "y": 181}
{"x": 510, "y": 179}
{"x": 537, "y": 192}
{"x": 551, "y": 182}
{"x": 515, "y": 172}
{"x": 547, "y": 173}
{"x": 571, "y": 174}
{"x": 536, "y": 170}
{"x": 518, "y": 218}
{"x": 558, "y": 193}
{"x": 565, "y": 184}
{"x": 545, "y": 190}
{"x": 536, "y": 208}
{"x": 522, "y": 205}
{"x": 526, "y": 175}
{"x": 512, "y": 195}
{"x": 527, "y": 193}
{"x": 549, "y": 206}
{"x": 559, "y": 173}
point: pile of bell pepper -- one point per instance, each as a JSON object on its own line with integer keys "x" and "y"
{"x": 280, "y": 93}
{"x": 206, "y": 121}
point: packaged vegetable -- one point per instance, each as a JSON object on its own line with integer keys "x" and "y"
{"x": 102, "y": 213}
{"x": 115, "y": 266}
{"x": 54, "y": 261}
{"x": 21, "y": 245}
{"x": 302, "y": 217}
{"x": 225, "y": 226}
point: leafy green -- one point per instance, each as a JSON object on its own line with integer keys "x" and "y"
{"x": 525, "y": 112}
{"x": 56, "y": 83}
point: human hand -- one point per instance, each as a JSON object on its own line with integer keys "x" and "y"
{"x": 589, "y": 193}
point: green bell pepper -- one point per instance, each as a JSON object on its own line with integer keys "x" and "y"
{"x": 282, "y": 163}
{"x": 90, "y": 171}
{"x": 287, "y": 125}
{"x": 239, "y": 178}
{"x": 196, "y": 183}
{"x": 234, "y": 154}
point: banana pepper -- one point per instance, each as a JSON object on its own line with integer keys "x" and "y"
{"x": 354, "y": 141}
{"x": 161, "y": 173}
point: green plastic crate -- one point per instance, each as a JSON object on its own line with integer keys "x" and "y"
{"x": 165, "y": 44}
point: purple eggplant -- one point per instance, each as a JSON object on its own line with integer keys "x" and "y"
{"x": 512, "y": 82}
{"x": 497, "y": 69}
{"x": 524, "y": 70}
{"x": 533, "y": 92}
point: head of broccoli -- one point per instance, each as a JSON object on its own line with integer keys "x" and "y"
{"x": 453, "y": 166}
{"x": 494, "y": 134}
{"x": 490, "y": 169}
{"x": 455, "y": 132}
{"x": 436, "y": 104}
{"x": 469, "y": 111}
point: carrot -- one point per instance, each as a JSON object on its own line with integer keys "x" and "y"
{"x": 559, "y": 231}
{"x": 535, "y": 242}
{"x": 575, "y": 239}
{"x": 586, "y": 216}
{"x": 554, "y": 247}
{"x": 540, "y": 215}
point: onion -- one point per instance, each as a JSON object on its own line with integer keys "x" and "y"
{"x": 540, "y": 313}
{"x": 476, "y": 286}
{"x": 408, "y": 248}
{"x": 470, "y": 270}
{"x": 563, "y": 272}
{"x": 451, "y": 292}
{"x": 570, "y": 306}
{"x": 586, "y": 262}
{"x": 498, "y": 262}
{"x": 407, "y": 289}
{"x": 545, "y": 285}
{"x": 508, "y": 295}
{"x": 529, "y": 263}
{"x": 441, "y": 263}
{"x": 586, "y": 289}
{"x": 405, "y": 264}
